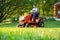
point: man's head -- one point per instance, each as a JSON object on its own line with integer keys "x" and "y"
{"x": 34, "y": 6}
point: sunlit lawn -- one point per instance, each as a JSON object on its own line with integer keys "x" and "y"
{"x": 29, "y": 33}
{"x": 51, "y": 31}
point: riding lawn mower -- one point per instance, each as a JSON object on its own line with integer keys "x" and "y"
{"x": 28, "y": 22}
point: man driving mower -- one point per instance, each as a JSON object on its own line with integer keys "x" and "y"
{"x": 31, "y": 19}
{"x": 35, "y": 13}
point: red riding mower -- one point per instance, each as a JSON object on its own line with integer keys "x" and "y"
{"x": 27, "y": 22}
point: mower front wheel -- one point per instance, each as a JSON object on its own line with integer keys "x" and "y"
{"x": 27, "y": 25}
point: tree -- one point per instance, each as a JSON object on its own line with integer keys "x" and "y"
{"x": 9, "y": 9}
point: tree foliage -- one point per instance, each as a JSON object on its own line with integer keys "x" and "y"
{"x": 11, "y": 8}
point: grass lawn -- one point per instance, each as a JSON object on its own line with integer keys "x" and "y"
{"x": 52, "y": 24}
{"x": 29, "y": 33}
{"x": 48, "y": 24}
{"x": 51, "y": 31}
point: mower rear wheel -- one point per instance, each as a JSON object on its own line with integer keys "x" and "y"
{"x": 41, "y": 23}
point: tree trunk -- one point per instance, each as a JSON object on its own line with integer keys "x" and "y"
{"x": 0, "y": 20}
{"x": 43, "y": 11}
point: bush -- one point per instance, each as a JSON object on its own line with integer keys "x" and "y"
{"x": 15, "y": 19}
{"x": 50, "y": 19}
{"x": 6, "y": 20}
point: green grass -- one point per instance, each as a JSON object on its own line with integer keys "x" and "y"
{"x": 48, "y": 24}
{"x": 29, "y": 34}
{"x": 52, "y": 24}
{"x": 14, "y": 24}
{"x": 10, "y": 31}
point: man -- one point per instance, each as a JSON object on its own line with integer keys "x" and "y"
{"x": 35, "y": 13}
